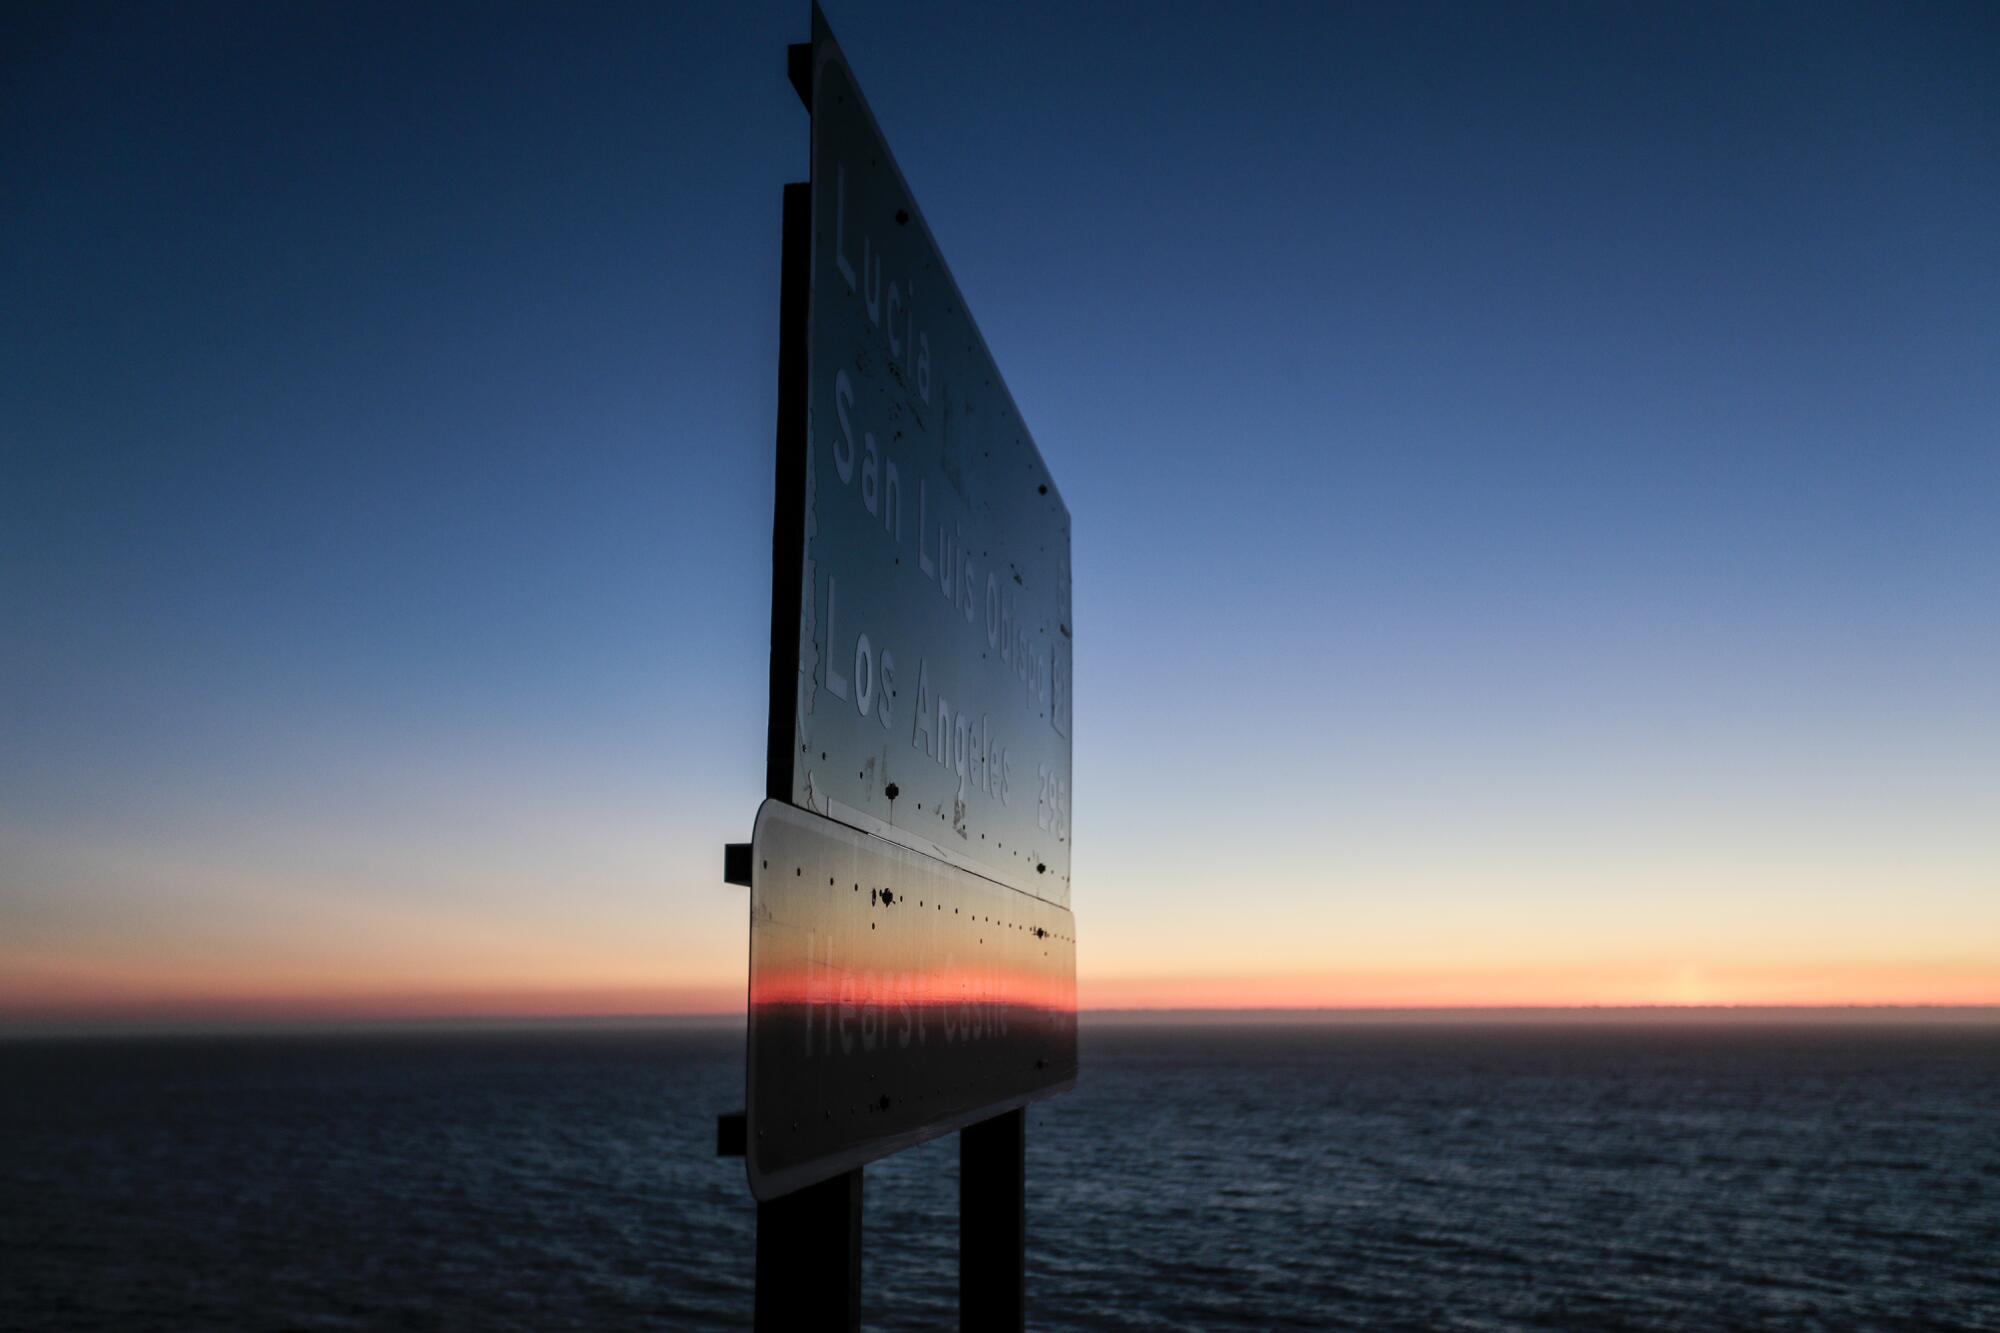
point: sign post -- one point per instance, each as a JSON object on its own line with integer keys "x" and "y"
{"x": 993, "y": 1222}
{"x": 809, "y": 1258}
{"x": 912, "y": 949}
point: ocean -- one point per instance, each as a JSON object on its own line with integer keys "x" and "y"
{"x": 1233, "y": 1176}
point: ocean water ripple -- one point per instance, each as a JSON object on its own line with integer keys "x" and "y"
{"x": 1235, "y": 1177}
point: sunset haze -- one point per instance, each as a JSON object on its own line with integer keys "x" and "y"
{"x": 1532, "y": 474}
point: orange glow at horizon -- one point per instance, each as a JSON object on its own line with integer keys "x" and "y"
{"x": 94, "y": 989}
{"x": 138, "y": 998}
{"x": 1800, "y": 986}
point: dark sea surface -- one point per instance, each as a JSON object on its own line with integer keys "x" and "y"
{"x": 1233, "y": 1177}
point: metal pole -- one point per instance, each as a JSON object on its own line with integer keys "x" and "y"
{"x": 993, "y": 1224}
{"x": 809, "y": 1258}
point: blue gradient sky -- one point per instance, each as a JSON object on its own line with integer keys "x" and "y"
{"x": 1534, "y": 474}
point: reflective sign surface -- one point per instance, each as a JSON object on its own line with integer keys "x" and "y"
{"x": 932, "y": 692}
{"x": 892, "y": 999}
{"x": 912, "y": 955}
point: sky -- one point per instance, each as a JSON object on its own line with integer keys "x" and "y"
{"x": 1533, "y": 472}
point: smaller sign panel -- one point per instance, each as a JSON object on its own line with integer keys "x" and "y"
{"x": 893, "y": 998}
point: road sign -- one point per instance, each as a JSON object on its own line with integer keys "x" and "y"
{"x": 895, "y": 998}
{"x": 930, "y": 703}
{"x": 912, "y": 950}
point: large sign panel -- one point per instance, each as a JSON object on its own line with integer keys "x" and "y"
{"x": 932, "y": 702}
{"x": 912, "y": 955}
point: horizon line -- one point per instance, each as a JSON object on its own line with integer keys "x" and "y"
{"x": 26, "y": 1027}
